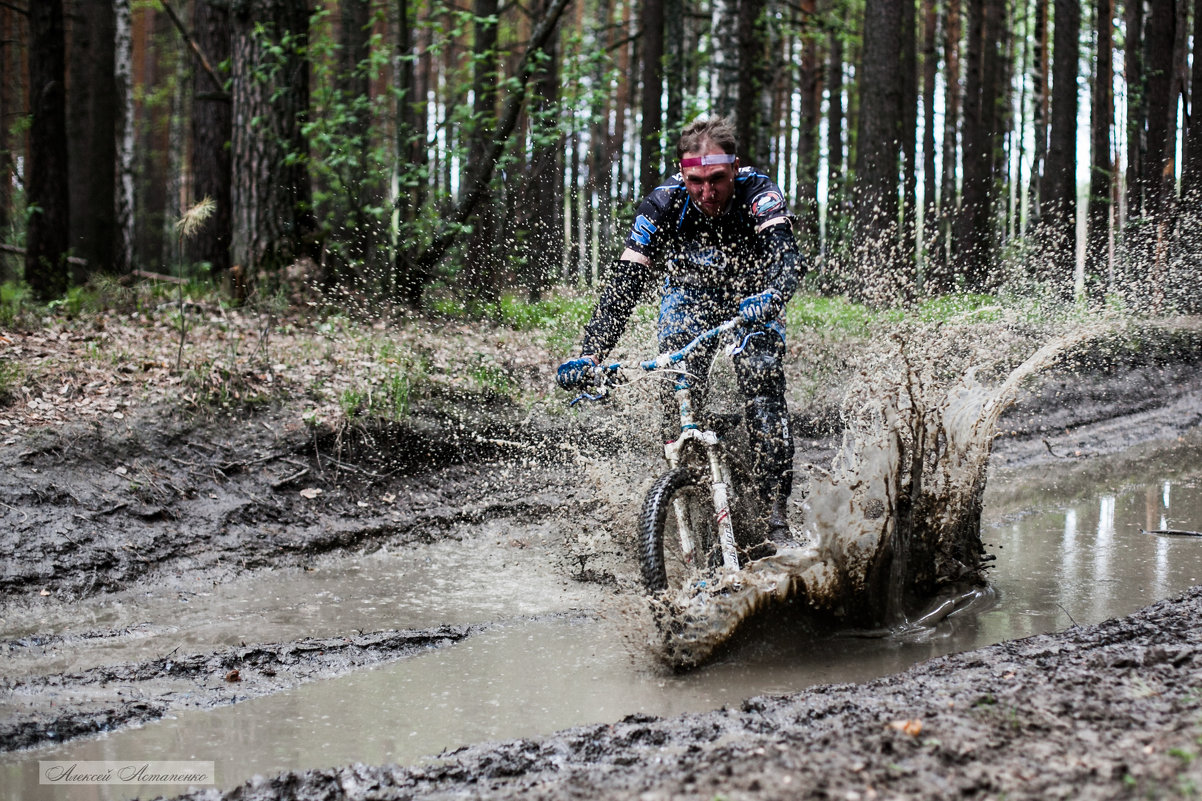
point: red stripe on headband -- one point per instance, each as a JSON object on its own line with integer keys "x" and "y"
{"x": 705, "y": 161}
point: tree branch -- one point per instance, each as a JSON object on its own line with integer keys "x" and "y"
{"x": 200, "y": 56}
{"x": 482, "y": 172}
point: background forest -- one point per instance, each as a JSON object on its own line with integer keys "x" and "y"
{"x": 409, "y": 150}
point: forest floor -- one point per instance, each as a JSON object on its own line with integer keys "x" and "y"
{"x": 126, "y": 465}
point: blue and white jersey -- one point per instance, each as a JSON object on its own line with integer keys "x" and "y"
{"x": 672, "y": 237}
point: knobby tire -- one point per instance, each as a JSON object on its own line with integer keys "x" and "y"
{"x": 658, "y": 537}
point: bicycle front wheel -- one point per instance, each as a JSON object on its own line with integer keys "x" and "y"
{"x": 678, "y": 533}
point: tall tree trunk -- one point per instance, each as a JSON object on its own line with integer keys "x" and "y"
{"x": 653, "y": 81}
{"x": 930, "y": 174}
{"x": 876, "y": 210}
{"x": 754, "y": 84}
{"x": 92, "y": 123}
{"x": 1060, "y": 218}
{"x": 909, "y": 142}
{"x": 973, "y": 241}
{"x": 1191, "y": 169}
{"x": 152, "y": 71}
{"x": 1097, "y": 251}
{"x": 810, "y": 90}
{"x": 1041, "y": 109}
{"x": 46, "y": 189}
{"x": 273, "y": 221}
{"x": 544, "y": 257}
{"x": 408, "y": 282}
{"x": 942, "y": 278}
{"x": 211, "y": 130}
{"x": 360, "y": 182}
{"x": 836, "y": 213}
{"x": 725, "y": 16}
{"x": 676, "y": 71}
{"x": 483, "y": 265}
{"x": 1137, "y": 107}
{"x": 1158, "y": 172}
{"x": 11, "y": 51}
{"x": 1188, "y": 293}
{"x": 126, "y": 140}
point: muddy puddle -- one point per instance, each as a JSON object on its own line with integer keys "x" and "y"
{"x": 557, "y": 653}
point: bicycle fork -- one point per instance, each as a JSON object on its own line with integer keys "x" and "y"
{"x": 720, "y": 480}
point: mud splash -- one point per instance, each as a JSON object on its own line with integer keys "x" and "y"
{"x": 895, "y": 520}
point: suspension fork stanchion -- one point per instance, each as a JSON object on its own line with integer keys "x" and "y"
{"x": 719, "y": 483}
{"x": 684, "y": 528}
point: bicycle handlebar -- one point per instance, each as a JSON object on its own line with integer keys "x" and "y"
{"x": 606, "y": 374}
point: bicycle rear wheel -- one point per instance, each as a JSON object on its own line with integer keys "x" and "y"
{"x": 678, "y": 534}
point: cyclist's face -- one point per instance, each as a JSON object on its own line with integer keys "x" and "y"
{"x": 712, "y": 185}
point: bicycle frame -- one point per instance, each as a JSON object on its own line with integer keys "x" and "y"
{"x": 720, "y": 478}
{"x": 691, "y": 433}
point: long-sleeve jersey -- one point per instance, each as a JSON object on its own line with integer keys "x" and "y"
{"x": 746, "y": 249}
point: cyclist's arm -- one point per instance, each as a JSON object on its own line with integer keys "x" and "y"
{"x": 629, "y": 280}
{"x": 786, "y": 267}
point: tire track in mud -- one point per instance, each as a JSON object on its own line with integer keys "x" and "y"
{"x": 1097, "y": 712}
{"x": 110, "y": 696}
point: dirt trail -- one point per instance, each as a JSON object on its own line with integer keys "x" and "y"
{"x": 159, "y": 499}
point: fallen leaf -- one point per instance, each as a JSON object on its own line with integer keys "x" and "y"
{"x": 910, "y": 727}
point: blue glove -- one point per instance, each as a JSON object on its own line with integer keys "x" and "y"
{"x": 761, "y": 308}
{"x": 576, "y": 373}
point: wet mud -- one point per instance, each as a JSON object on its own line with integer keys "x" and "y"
{"x": 170, "y": 502}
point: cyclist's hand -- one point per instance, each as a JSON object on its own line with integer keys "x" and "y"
{"x": 577, "y": 373}
{"x": 761, "y": 308}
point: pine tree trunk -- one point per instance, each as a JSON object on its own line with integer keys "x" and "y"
{"x": 836, "y": 162}
{"x": 930, "y": 175}
{"x": 11, "y": 47}
{"x": 1060, "y": 181}
{"x": 875, "y": 197}
{"x": 1097, "y": 250}
{"x": 909, "y": 151}
{"x": 483, "y": 262}
{"x": 544, "y": 258}
{"x": 1041, "y": 109}
{"x": 651, "y": 160}
{"x": 46, "y": 190}
{"x": 940, "y": 273}
{"x": 92, "y": 122}
{"x": 273, "y": 224}
{"x": 126, "y": 141}
{"x": 810, "y": 90}
{"x": 211, "y": 131}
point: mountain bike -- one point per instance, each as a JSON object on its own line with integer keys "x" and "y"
{"x": 686, "y": 532}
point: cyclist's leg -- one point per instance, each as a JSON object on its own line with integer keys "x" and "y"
{"x": 759, "y": 369}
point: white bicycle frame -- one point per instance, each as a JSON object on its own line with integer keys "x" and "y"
{"x": 690, "y": 431}
{"x": 720, "y": 480}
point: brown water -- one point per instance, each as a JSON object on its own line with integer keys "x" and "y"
{"x": 1068, "y": 552}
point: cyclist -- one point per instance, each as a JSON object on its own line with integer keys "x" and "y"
{"x": 720, "y": 235}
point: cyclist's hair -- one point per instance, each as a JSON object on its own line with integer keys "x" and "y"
{"x": 716, "y": 130}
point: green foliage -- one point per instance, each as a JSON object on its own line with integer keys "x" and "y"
{"x": 16, "y": 303}
{"x": 836, "y": 315}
